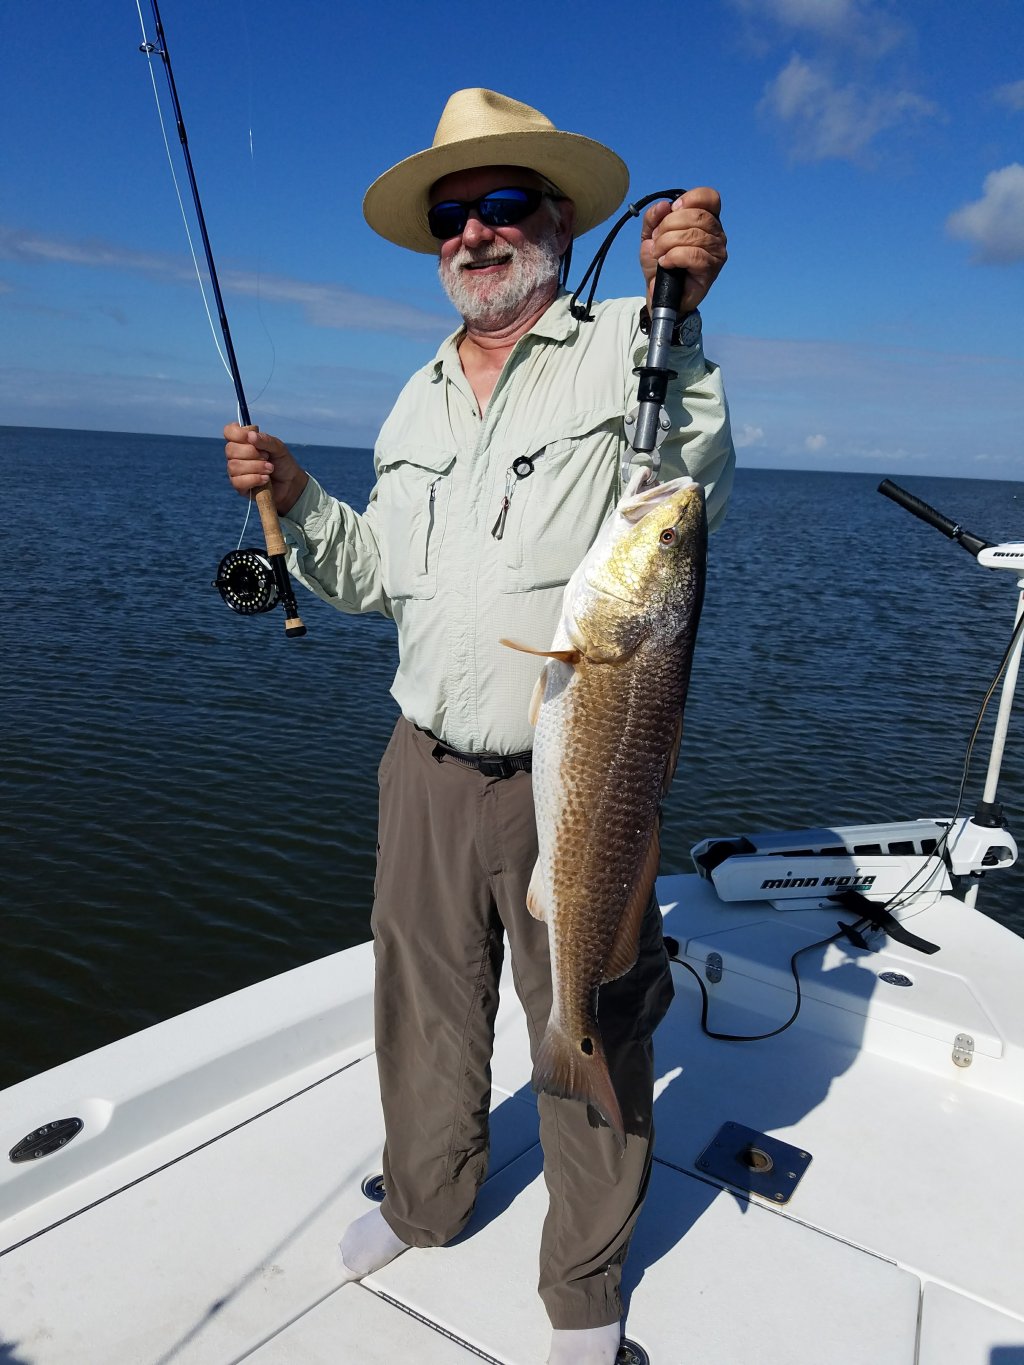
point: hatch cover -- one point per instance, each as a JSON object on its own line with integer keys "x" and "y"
{"x": 755, "y": 1162}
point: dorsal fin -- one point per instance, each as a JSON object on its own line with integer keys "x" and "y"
{"x": 672, "y": 758}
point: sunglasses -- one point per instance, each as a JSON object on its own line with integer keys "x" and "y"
{"x": 497, "y": 208}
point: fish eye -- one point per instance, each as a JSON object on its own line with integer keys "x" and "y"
{"x": 670, "y": 536}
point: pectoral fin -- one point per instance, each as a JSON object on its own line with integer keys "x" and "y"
{"x": 535, "y": 894}
{"x": 566, "y": 656}
{"x": 626, "y": 946}
{"x": 537, "y": 695}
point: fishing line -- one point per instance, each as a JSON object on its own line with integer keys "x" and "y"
{"x": 245, "y": 523}
{"x": 250, "y": 66}
{"x": 148, "y": 49}
{"x": 248, "y": 581}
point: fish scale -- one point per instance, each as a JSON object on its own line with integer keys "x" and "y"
{"x": 606, "y": 732}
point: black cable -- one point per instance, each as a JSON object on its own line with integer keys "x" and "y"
{"x": 894, "y": 902}
{"x": 899, "y": 898}
{"x": 985, "y": 701}
{"x": 673, "y": 947}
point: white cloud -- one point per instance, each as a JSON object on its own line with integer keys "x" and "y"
{"x": 995, "y": 222}
{"x": 885, "y": 408}
{"x": 27, "y": 247}
{"x": 325, "y": 305}
{"x": 1007, "y": 461}
{"x": 326, "y": 404}
{"x": 819, "y": 15}
{"x": 748, "y": 435}
{"x": 818, "y": 442}
{"x": 845, "y": 81}
{"x": 859, "y": 24}
{"x": 1011, "y": 95}
{"x": 829, "y": 120}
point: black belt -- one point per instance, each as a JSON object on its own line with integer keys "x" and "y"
{"x": 489, "y": 765}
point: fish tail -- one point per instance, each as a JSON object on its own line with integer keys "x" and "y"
{"x": 578, "y": 1071}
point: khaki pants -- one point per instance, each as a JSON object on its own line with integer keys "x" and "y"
{"x": 455, "y": 856}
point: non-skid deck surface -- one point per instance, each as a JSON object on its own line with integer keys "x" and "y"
{"x": 210, "y": 1258}
{"x": 900, "y": 1246}
{"x": 229, "y": 1255}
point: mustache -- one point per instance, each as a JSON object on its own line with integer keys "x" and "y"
{"x": 481, "y": 255}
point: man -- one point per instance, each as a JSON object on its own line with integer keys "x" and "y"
{"x": 495, "y": 469}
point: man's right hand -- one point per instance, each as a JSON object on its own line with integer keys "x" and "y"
{"x": 256, "y": 459}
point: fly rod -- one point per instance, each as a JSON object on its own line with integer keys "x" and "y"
{"x": 248, "y": 582}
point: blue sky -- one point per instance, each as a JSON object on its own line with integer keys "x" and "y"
{"x": 870, "y": 157}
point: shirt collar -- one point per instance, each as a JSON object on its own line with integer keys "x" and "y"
{"x": 556, "y": 323}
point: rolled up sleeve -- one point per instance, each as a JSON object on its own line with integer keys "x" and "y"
{"x": 333, "y": 551}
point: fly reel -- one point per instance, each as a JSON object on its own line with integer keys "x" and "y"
{"x": 245, "y": 579}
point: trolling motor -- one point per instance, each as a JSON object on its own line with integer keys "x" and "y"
{"x": 897, "y": 863}
{"x": 989, "y": 813}
{"x": 249, "y": 581}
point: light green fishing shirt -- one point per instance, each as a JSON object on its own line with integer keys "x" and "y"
{"x": 458, "y": 568}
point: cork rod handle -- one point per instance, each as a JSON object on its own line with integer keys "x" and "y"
{"x": 274, "y": 538}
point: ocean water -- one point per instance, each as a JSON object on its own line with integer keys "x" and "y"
{"x": 187, "y": 798}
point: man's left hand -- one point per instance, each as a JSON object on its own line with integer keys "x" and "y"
{"x": 686, "y": 234}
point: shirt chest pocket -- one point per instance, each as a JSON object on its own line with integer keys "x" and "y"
{"x": 555, "y": 512}
{"x": 412, "y": 495}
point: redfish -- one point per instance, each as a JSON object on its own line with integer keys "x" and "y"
{"x": 608, "y": 712}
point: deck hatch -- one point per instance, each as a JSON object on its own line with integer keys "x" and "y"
{"x": 755, "y": 1162}
{"x": 49, "y": 1137}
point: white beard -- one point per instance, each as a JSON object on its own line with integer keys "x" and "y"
{"x": 486, "y": 302}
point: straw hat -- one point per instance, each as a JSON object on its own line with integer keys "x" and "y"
{"x": 482, "y": 128}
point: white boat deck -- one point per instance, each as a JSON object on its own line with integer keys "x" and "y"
{"x": 195, "y": 1219}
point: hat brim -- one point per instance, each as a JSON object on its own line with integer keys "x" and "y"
{"x": 590, "y": 174}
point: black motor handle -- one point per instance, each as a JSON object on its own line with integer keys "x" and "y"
{"x": 972, "y": 544}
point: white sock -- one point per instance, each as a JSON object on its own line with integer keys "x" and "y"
{"x": 587, "y": 1346}
{"x": 368, "y": 1244}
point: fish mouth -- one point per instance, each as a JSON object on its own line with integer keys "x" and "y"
{"x": 642, "y": 498}
{"x": 615, "y": 596}
{"x": 642, "y": 505}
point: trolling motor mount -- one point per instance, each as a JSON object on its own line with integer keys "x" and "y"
{"x": 245, "y": 579}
